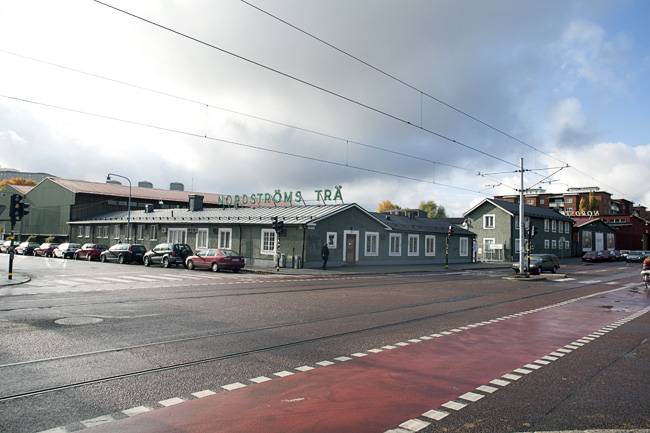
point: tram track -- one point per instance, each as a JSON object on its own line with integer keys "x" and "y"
{"x": 244, "y": 353}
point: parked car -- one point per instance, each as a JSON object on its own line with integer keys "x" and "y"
{"x": 539, "y": 263}
{"x": 90, "y": 252}
{"x": 66, "y": 250}
{"x": 606, "y": 255}
{"x": 216, "y": 259}
{"x": 26, "y": 248}
{"x": 635, "y": 256}
{"x": 593, "y": 256}
{"x": 616, "y": 255}
{"x": 624, "y": 254}
{"x": 46, "y": 249}
{"x": 168, "y": 254}
{"x": 4, "y": 248}
{"x": 124, "y": 253}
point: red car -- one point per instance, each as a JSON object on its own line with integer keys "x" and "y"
{"x": 593, "y": 256}
{"x": 89, "y": 252}
{"x": 216, "y": 259}
{"x": 45, "y": 250}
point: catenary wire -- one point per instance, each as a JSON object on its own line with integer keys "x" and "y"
{"x": 250, "y": 146}
{"x": 307, "y": 83}
{"x": 239, "y": 113}
{"x": 424, "y": 93}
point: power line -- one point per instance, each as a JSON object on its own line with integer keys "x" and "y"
{"x": 422, "y": 92}
{"x": 239, "y": 113}
{"x": 250, "y": 146}
{"x": 307, "y": 83}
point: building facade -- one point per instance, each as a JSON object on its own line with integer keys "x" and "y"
{"x": 496, "y": 224}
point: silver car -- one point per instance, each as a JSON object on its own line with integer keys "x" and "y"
{"x": 66, "y": 250}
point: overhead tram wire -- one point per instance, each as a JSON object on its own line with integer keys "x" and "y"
{"x": 239, "y": 113}
{"x": 235, "y": 143}
{"x": 307, "y": 83}
{"x": 422, "y": 92}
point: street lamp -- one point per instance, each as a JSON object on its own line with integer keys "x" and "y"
{"x": 128, "y": 218}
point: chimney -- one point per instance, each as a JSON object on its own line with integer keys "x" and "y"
{"x": 196, "y": 202}
{"x": 148, "y": 208}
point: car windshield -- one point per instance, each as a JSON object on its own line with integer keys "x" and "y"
{"x": 225, "y": 252}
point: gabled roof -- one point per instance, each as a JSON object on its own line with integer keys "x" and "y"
{"x": 291, "y": 215}
{"x": 429, "y": 225}
{"x": 23, "y": 189}
{"x": 513, "y": 209}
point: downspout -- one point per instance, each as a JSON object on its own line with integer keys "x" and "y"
{"x": 304, "y": 236}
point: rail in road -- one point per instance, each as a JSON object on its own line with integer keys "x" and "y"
{"x": 402, "y": 387}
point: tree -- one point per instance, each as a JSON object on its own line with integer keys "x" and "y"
{"x": 593, "y": 203}
{"x": 432, "y": 209}
{"x": 16, "y": 181}
{"x": 582, "y": 207}
{"x": 387, "y": 205}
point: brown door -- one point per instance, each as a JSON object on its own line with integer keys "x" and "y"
{"x": 350, "y": 249}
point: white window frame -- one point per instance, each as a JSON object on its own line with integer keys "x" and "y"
{"x": 567, "y": 227}
{"x": 271, "y": 234}
{"x": 153, "y": 232}
{"x": 567, "y": 245}
{"x": 177, "y": 236}
{"x": 140, "y": 232}
{"x": 547, "y": 244}
{"x": 225, "y": 238}
{"x": 332, "y": 240}
{"x": 414, "y": 245}
{"x": 546, "y": 225}
{"x": 375, "y": 250}
{"x": 463, "y": 247}
{"x": 116, "y": 231}
{"x": 489, "y": 222}
{"x": 398, "y": 243}
{"x": 202, "y": 238}
{"x": 554, "y": 244}
{"x": 554, "y": 226}
{"x": 429, "y": 252}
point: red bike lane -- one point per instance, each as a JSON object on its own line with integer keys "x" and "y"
{"x": 377, "y": 392}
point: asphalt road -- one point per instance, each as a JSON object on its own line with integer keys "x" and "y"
{"x": 83, "y": 343}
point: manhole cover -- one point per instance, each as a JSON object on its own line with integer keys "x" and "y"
{"x": 73, "y": 321}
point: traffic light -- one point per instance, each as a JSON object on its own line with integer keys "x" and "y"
{"x": 275, "y": 223}
{"x": 14, "y": 208}
{"x": 280, "y": 228}
{"x": 23, "y": 209}
{"x": 451, "y": 231}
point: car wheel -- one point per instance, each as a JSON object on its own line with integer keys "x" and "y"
{"x": 147, "y": 261}
{"x": 89, "y": 257}
{"x": 102, "y": 258}
{"x": 190, "y": 265}
{"x": 120, "y": 259}
{"x": 76, "y": 256}
{"x": 165, "y": 262}
{"x": 215, "y": 267}
{"x": 554, "y": 269}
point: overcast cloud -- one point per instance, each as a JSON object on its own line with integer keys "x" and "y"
{"x": 568, "y": 79}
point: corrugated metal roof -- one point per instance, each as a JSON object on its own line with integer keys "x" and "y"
{"x": 513, "y": 209}
{"x": 429, "y": 225}
{"x": 257, "y": 215}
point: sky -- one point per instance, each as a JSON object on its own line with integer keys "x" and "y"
{"x": 386, "y": 99}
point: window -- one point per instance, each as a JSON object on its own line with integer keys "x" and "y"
{"x": 80, "y": 231}
{"x": 569, "y": 209}
{"x": 331, "y": 240}
{"x": 372, "y": 244}
{"x": 464, "y": 247}
{"x": 395, "y": 244}
{"x": 554, "y": 226}
{"x": 567, "y": 227}
{"x": 99, "y": 230}
{"x": 429, "y": 245}
{"x": 116, "y": 231}
{"x": 86, "y": 231}
{"x": 554, "y": 244}
{"x": 140, "y": 232}
{"x": 530, "y": 201}
{"x": 225, "y": 238}
{"x": 546, "y": 244}
{"x": 202, "y": 238}
{"x": 414, "y": 245}
{"x": 567, "y": 245}
{"x": 488, "y": 221}
{"x": 268, "y": 241}
{"x": 568, "y": 200}
{"x": 177, "y": 236}
{"x": 546, "y": 225}
{"x": 541, "y": 201}
{"x": 153, "y": 232}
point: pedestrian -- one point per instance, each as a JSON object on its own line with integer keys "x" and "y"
{"x": 325, "y": 253}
